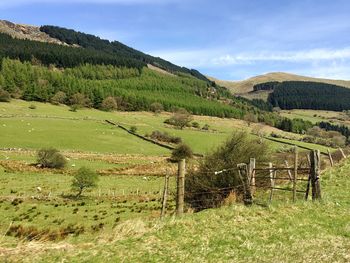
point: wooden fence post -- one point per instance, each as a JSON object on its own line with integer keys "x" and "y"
{"x": 165, "y": 195}
{"x": 243, "y": 175}
{"x": 272, "y": 181}
{"x": 330, "y": 157}
{"x": 295, "y": 175}
{"x": 180, "y": 187}
{"x": 315, "y": 157}
{"x": 252, "y": 164}
{"x": 289, "y": 172}
{"x": 342, "y": 153}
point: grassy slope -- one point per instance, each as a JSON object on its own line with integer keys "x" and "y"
{"x": 85, "y": 130}
{"x": 282, "y": 232}
{"x": 317, "y": 115}
{"x": 245, "y": 86}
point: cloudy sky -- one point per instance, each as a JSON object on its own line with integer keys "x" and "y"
{"x": 227, "y": 39}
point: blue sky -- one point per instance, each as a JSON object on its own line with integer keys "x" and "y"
{"x": 227, "y": 39}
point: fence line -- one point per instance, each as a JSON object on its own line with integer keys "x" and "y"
{"x": 253, "y": 178}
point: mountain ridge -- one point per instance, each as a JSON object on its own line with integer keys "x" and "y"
{"x": 246, "y": 86}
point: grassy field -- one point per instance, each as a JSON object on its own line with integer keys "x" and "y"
{"x": 86, "y": 130}
{"x": 317, "y": 115}
{"x": 119, "y": 220}
{"x": 282, "y": 232}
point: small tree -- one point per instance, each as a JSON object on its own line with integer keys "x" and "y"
{"x": 181, "y": 118}
{"x": 59, "y": 98}
{"x": 4, "y": 95}
{"x": 51, "y": 158}
{"x": 109, "y": 104}
{"x": 156, "y": 107}
{"x": 80, "y": 100}
{"x": 183, "y": 151}
{"x": 83, "y": 179}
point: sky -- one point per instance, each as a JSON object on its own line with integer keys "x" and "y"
{"x": 226, "y": 39}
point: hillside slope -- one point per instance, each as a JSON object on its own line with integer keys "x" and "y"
{"x": 245, "y": 86}
{"x": 21, "y": 31}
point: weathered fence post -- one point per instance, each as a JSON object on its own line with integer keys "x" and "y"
{"x": 165, "y": 195}
{"x": 315, "y": 157}
{"x": 289, "y": 172}
{"x": 272, "y": 182}
{"x": 342, "y": 153}
{"x": 180, "y": 187}
{"x": 330, "y": 157}
{"x": 252, "y": 164}
{"x": 243, "y": 175}
{"x": 295, "y": 175}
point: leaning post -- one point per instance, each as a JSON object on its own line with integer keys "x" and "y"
{"x": 243, "y": 175}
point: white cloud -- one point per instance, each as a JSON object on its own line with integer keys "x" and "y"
{"x": 216, "y": 57}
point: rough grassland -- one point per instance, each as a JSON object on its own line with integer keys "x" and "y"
{"x": 283, "y": 232}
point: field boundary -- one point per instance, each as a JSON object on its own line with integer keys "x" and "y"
{"x": 166, "y": 146}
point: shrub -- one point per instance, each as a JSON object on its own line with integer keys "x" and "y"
{"x": 206, "y": 127}
{"x": 32, "y": 107}
{"x": 195, "y": 125}
{"x": 237, "y": 149}
{"x": 165, "y": 137}
{"x": 51, "y": 158}
{"x": 74, "y": 108}
{"x": 109, "y": 104}
{"x": 183, "y": 151}
{"x": 80, "y": 100}
{"x": 59, "y": 98}
{"x": 83, "y": 179}
{"x": 4, "y": 95}
{"x": 156, "y": 107}
{"x": 133, "y": 129}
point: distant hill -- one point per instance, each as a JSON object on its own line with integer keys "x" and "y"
{"x": 246, "y": 86}
{"x": 68, "y": 37}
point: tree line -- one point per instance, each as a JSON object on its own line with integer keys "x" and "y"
{"x": 308, "y": 95}
{"x": 88, "y": 41}
{"x": 133, "y": 89}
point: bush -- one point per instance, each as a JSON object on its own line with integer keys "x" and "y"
{"x": 109, "y": 104}
{"x": 32, "y": 107}
{"x": 4, "y": 95}
{"x": 133, "y": 129}
{"x": 59, "y": 98}
{"x": 165, "y": 137}
{"x": 205, "y": 127}
{"x": 195, "y": 125}
{"x": 83, "y": 179}
{"x": 183, "y": 151}
{"x": 74, "y": 108}
{"x": 80, "y": 100}
{"x": 237, "y": 149}
{"x": 156, "y": 107}
{"x": 51, "y": 158}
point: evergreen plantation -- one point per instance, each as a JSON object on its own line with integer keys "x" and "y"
{"x": 115, "y": 48}
{"x": 307, "y": 95}
{"x": 134, "y": 89}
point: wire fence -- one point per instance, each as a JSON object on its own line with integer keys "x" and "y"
{"x": 259, "y": 183}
